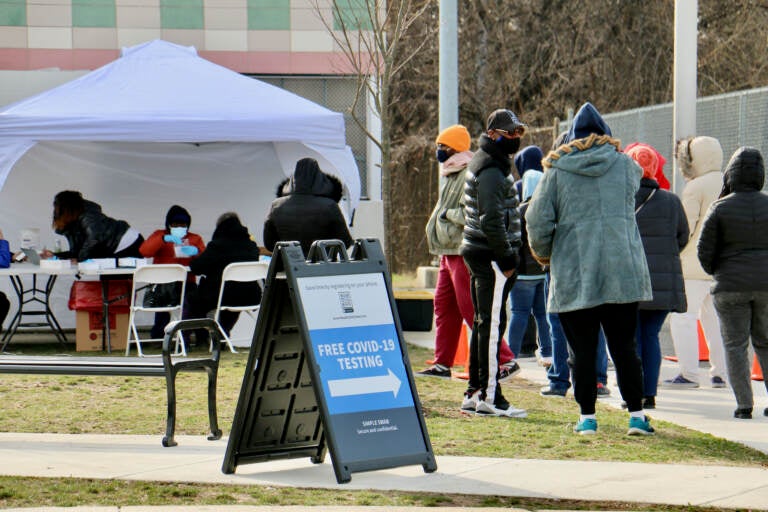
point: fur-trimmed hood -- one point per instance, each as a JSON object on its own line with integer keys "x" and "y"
{"x": 697, "y": 156}
{"x": 604, "y": 152}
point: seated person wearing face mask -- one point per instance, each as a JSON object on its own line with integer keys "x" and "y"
{"x": 174, "y": 244}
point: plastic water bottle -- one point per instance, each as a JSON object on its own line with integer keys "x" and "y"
{"x": 57, "y": 246}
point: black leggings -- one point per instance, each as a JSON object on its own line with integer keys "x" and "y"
{"x": 619, "y": 322}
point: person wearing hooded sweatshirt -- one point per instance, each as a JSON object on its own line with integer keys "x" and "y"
{"x": 733, "y": 247}
{"x": 528, "y": 158}
{"x": 452, "y": 301}
{"x": 700, "y": 160}
{"x": 307, "y": 210}
{"x": 664, "y": 231}
{"x": 489, "y": 246}
{"x": 581, "y": 221}
{"x": 527, "y": 296}
{"x": 90, "y": 233}
{"x": 174, "y": 244}
{"x": 230, "y": 243}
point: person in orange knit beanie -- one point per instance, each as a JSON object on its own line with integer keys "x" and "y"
{"x": 452, "y": 302}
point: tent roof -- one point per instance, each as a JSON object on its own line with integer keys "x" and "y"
{"x": 163, "y": 92}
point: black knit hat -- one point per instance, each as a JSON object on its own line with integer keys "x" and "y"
{"x": 177, "y": 214}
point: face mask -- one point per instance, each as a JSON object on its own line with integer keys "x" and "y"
{"x": 179, "y": 232}
{"x": 441, "y": 155}
{"x": 508, "y": 146}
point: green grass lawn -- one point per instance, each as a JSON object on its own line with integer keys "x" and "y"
{"x": 132, "y": 405}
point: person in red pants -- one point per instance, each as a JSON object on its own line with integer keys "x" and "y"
{"x": 453, "y": 302}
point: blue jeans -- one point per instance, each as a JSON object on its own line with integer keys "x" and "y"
{"x": 527, "y": 296}
{"x": 559, "y": 374}
{"x": 649, "y": 324}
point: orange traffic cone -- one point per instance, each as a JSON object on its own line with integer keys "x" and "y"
{"x": 757, "y": 372}
{"x": 703, "y": 348}
{"x": 462, "y": 354}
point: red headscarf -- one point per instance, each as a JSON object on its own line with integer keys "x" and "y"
{"x": 660, "y": 161}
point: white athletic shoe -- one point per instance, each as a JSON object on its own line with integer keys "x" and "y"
{"x": 484, "y": 408}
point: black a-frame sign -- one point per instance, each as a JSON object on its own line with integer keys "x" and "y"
{"x": 328, "y": 366}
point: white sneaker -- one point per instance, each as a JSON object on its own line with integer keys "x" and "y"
{"x": 469, "y": 403}
{"x": 546, "y": 362}
{"x": 484, "y": 408}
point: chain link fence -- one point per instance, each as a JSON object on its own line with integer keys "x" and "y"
{"x": 735, "y": 119}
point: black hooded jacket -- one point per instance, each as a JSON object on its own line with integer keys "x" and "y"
{"x": 492, "y": 221}
{"x": 230, "y": 243}
{"x": 92, "y": 234}
{"x": 734, "y": 238}
{"x": 308, "y": 211}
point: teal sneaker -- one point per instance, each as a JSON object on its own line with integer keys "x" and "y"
{"x": 586, "y": 427}
{"x": 640, "y": 427}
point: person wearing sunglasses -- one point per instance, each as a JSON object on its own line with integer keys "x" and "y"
{"x": 490, "y": 246}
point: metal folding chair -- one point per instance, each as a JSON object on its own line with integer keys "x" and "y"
{"x": 144, "y": 278}
{"x": 243, "y": 272}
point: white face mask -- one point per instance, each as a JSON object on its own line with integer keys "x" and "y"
{"x": 179, "y": 232}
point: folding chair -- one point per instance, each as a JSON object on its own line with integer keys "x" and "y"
{"x": 143, "y": 279}
{"x": 243, "y": 272}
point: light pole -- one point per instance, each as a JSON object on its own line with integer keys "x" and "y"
{"x": 685, "y": 71}
{"x": 449, "y": 64}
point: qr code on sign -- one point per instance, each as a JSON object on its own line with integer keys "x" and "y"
{"x": 345, "y": 299}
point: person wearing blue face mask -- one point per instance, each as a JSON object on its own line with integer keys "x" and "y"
{"x": 453, "y": 302}
{"x": 174, "y": 244}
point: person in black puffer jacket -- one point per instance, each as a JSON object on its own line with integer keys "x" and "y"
{"x": 734, "y": 249}
{"x": 230, "y": 243}
{"x": 664, "y": 231}
{"x": 89, "y": 232}
{"x": 307, "y": 210}
{"x": 490, "y": 245}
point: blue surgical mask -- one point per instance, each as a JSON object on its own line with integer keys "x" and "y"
{"x": 179, "y": 232}
{"x": 441, "y": 155}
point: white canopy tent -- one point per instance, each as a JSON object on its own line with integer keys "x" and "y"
{"x": 156, "y": 127}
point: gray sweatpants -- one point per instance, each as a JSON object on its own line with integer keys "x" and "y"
{"x": 743, "y": 315}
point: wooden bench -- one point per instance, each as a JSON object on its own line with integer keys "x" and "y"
{"x": 163, "y": 366}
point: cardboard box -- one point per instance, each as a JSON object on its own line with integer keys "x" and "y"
{"x": 88, "y": 334}
{"x": 415, "y": 309}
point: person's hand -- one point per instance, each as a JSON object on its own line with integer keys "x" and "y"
{"x": 46, "y": 254}
{"x": 189, "y": 250}
{"x": 172, "y": 238}
{"x": 508, "y": 273}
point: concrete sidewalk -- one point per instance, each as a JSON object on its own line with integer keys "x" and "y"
{"x": 198, "y": 460}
